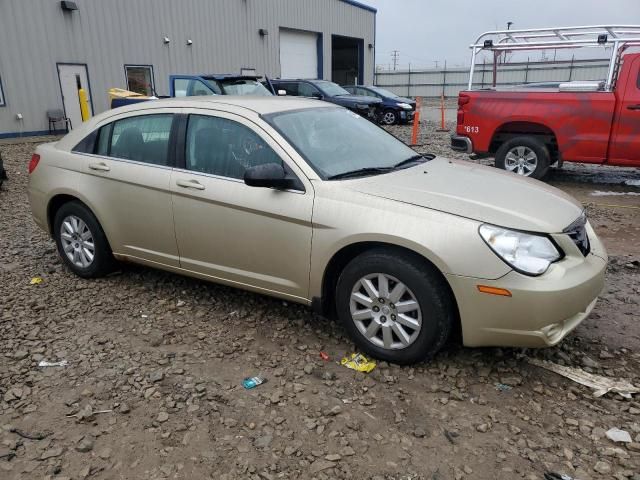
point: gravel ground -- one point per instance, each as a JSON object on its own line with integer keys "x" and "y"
{"x": 152, "y": 386}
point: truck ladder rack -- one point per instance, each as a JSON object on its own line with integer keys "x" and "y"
{"x": 615, "y": 36}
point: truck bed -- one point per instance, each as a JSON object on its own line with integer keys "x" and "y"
{"x": 580, "y": 122}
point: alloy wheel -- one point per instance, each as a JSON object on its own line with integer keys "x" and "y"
{"x": 385, "y": 311}
{"x": 521, "y": 160}
{"x": 389, "y": 118}
{"x": 77, "y": 241}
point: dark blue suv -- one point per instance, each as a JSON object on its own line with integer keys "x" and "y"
{"x": 394, "y": 109}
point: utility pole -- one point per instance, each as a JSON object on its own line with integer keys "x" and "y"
{"x": 395, "y": 56}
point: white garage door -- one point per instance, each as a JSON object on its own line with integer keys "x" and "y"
{"x": 298, "y": 54}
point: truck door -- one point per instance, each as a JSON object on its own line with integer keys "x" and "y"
{"x": 625, "y": 144}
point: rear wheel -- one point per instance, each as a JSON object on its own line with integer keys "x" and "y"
{"x": 389, "y": 117}
{"x": 526, "y": 156}
{"x": 81, "y": 242}
{"x": 394, "y": 308}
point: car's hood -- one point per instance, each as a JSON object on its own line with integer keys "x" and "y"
{"x": 478, "y": 192}
{"x": 355, "y": 99}
{"x": 410, "y": 101}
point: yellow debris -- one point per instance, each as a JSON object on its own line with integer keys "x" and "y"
{"x": 357, "y": 361}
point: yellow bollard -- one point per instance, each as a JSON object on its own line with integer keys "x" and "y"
{"x": 84, "y": 104}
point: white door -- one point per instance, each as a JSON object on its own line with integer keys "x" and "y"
{"x": 298, "y": 54}
{"x": 73, "y": 78}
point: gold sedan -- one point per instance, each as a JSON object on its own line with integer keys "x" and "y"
{"x": 311, "y": 203}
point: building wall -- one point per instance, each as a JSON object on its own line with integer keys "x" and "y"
{"x": 35, "y": 35}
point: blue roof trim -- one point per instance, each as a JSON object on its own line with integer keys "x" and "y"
{"x": 360, "y": 5}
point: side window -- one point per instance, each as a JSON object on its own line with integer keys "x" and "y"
{"x": 143, "y": 139}
{"x": 104, "y": 138}
{"x": 87, "y": 145}
{"x": 224, "y": 147}
{"x": 180, "y": 87}
{"x": 307, "y": 90}
{"x": 197, "y": 88}
{"x": 290, "y": 87}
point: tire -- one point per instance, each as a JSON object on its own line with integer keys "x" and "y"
{"x": 389, "y": 117}
{"x": 424, "y": 287}
{"x": 512, "y": 156}
{"x": 74, "y": 215}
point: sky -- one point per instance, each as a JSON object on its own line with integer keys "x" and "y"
{"x": 428, "y": 31}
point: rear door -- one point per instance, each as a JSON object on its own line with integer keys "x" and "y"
{"x": 127, "y": 184}
{"x": 625, "y": 145}
{"x": 252, "y": 237}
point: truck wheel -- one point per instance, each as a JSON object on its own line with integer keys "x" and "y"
{"x": 526, "y": 156}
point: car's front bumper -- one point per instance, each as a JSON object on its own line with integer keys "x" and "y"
{"x": 541, "y": 311}
{"x": 407, "y": 115}
{"x": 461, "y": 143}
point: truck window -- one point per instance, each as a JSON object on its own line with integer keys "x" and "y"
{"x": 180, "y": 86}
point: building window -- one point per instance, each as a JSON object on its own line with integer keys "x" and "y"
{"x": 140, "y": 79}
{"x": 2, "y": 102}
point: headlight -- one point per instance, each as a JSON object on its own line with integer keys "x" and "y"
{"x": 525, "y": 252}
{"x": 406, "y": 106}
{"x": 361, "y": 105}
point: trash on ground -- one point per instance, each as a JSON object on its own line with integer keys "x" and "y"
{"x": 324, "y": 356}
{"x": 35, "y": 281}
{"x": 598, "y": 383}
{"x": 61, "y": 363}
{"x": 501, "y": 387}
{"x": 87, "y": 413}
{"x": 556, "y": 476}
{"x": 617, "y": 435}
{"x": 357, "y": 361}
{"x": 252, "y": 382}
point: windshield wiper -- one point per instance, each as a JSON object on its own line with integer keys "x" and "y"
{"x": 409, "y": 162}
{"x": 360, "y": 172}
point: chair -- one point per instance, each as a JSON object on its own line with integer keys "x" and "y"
{"x": 56, "y": 116}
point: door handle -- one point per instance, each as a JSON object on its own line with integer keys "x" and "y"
{"x": 190, "y": 184}
{"x": 633, "y": 107}
{"x": 103, "y": 167}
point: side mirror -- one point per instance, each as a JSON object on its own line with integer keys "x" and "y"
{"x": 269, "y": 175}
{"x": 317, "y": 95}
{"x": 282, "y": 93}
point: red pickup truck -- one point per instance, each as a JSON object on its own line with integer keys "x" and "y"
{"x": 529, "y": 129}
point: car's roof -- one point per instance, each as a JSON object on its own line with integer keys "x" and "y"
{"x": 229, "y": 76}
{"x": 310, "y": 80}
{"x": 229, "y": 103}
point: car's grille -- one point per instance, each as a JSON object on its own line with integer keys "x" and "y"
{"x": 577, "y": 231}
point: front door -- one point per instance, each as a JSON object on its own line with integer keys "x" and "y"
{"x": 252, "y": 237}
{"x": 625, "y": 145}
{"x": 72, "y": 78}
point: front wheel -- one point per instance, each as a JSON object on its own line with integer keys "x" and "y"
{"x": 526, "y": 156}
{"x": 394, "y": 307}
{"x": 389, "y": 117}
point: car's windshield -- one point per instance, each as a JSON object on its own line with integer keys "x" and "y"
{"x": 335, "y": 141}
{"x": 383, "y": 92}
{"x": 244, "y": 87}
{"x": 331, "y": 89}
